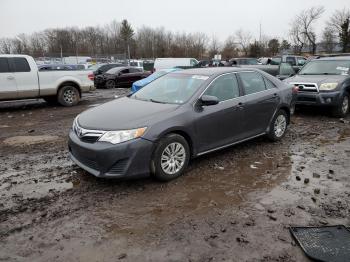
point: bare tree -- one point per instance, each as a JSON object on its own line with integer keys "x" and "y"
{"x": 305, "y": 21}
{"x": 214, "y": 46}
{"x": 230, "y": 48}
{"x": 244, "y": 39}
{"x": 6, "y": 45}
{"x": 328, "y": 39}
{"x": 339, "y": 23}
{"x": 298, "y": 39}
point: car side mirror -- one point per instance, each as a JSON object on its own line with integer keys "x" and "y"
{"x": 206, "y": 100}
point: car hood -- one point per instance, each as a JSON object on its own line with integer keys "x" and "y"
{"x": 123, "y": 113}
{"x": 318, "y": 79}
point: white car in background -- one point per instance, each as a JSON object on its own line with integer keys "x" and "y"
{"x": 166, "y": 63}
{"x": 136, "y": 63}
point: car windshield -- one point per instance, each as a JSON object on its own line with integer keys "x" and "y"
{"x": 324, "y": 67}
{"x": 113, "y": 70}
{"x": 171, "y": 89}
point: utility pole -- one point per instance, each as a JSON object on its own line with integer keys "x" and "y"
{"x": 260, "y": 33}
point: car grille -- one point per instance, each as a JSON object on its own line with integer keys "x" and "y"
{"x": 86, "y": 135}
{"x": 119, "y": 167}
{"x": 307, "y": 87}
{"x": 84, "y": 160}
{"x": 89, "y": 139}
{"x": 306, "y": 99}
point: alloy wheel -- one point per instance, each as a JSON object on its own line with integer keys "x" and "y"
{"x": 345, "y": 105}
{"x": 280, "y": 125}
{"x": 69, "y": 96}
{"x": 173, "y": 158}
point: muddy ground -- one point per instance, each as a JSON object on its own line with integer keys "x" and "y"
{"x": 232, "y": 205}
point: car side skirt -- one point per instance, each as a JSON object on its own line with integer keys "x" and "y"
{"x": 231, "y": 144}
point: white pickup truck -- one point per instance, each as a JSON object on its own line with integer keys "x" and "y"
{"x": 20, "y": 79}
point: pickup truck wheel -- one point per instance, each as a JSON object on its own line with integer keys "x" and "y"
{"x": 110, "y": 84}
{"x": 278, "y": 126}
{"x": 343, "y": 107}
{"x": 68, "y": 96}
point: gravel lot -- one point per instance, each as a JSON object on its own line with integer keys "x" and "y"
{"x": 232, "y": 205}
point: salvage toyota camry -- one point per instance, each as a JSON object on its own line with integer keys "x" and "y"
{"x": 177, "y": 117}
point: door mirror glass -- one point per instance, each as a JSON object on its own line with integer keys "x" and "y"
{"x": 209, "y": 100}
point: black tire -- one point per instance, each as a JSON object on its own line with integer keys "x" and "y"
{"x": 159, "y": 172}
{"x": 342, "y": 109}
{"x": 68, "y": 96}
{"x": 51, "y": 100}
{"x": 277, "y": 132}
{"x": 110, "y": 84}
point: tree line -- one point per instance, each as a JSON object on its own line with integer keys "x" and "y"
{"x": 148, "y": 42}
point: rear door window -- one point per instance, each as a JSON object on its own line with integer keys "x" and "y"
{"x": 224, "y": 88}
{"x": 290, "y": 60}
{"x": 252, "y": 82}
{"x": 135, "y": 70}
{"x": 4, "y": 65}
{"x": 269, "y": 84}
{"x": 125, "y": 71}
{"x": 20, "y": 64}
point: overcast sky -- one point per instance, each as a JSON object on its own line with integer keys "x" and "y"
{"x": 218, "y": 17}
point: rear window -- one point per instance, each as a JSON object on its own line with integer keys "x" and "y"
{"x": 4, "y": 66}
{"x": 20, "y": 64}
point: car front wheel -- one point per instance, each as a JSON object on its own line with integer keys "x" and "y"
{"x": 278, "y": 126}
{"x": 170, "y": 157}
{"x": 343, "y": 107}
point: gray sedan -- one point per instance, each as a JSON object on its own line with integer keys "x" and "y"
{"x": 177, "y": 117}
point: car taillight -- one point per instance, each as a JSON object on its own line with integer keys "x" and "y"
{"x": 295, "y": 89}
{"x": 91, "y": 77}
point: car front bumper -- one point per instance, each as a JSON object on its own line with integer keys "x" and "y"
{"x": 102, "y": 159}
{"x": 318, "y": 99}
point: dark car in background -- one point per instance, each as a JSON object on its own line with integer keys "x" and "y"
{"x": 324, "y": 82}
{"x": 179, "y": 116}
{"x": 120, "y": 76}
{"x": 243, "y": 61}
{"x": 99, "y": 69}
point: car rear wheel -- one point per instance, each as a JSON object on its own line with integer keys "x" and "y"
{"x": 170, "y": 157}
{"x": 110, "y": 84}
{"x": 342, "y": 108}
{"x": 278, "y": 126}
{"x": 68, "y": 96}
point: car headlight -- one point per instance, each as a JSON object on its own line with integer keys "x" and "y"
{"x": 116, "y": 137}
{"x": 328, "y": 86}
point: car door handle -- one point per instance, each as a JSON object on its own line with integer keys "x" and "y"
{"x": 10, "y": 78}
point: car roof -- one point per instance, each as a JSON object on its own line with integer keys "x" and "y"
{"x": 334, "y": 58}
{"x": 211, "y": 71}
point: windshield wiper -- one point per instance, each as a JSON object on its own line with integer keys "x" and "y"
{"x": 156, "y": 101}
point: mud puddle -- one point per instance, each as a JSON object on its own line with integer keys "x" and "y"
{"x": 29, "y": 140}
